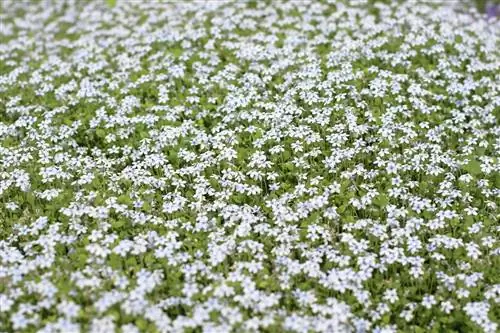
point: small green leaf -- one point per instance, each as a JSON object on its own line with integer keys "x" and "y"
{"x": 149, "y": 259}
{"x": 141, "y": 324}
{"x": 381, "y": 200}
{"x": 341, "y": 209}
{"x": 117, "y": 224}
{"x": 82, "y": 259}
{"x": 124, "y": 199}
{"x": 100, "y": 133}
{"x": 473, "y": 167}
{"x": 131, "y": 262}
{"x": 115, "y": 261}
{"x": 111, "y": 3}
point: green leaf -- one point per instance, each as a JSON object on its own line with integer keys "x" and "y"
{"x": 82, "y": 259}
{"x": 64, "y": 287}
{"x": 100, "y": 133}
{"x": 115, "y": 261}
{"x": 473, "y": 167}
{"x": 141, "y": 324}
{"x": 381, "y": 200}
{"x": 124, "y": 199}
{"x": 149, "y": 259}
{"x": 469, "y": 220}
{"x": 111, "y": 3}
{"x": 131, "y": 263}
{"x": 117, "y": 224}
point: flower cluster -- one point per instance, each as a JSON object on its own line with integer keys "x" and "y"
{"x": 249, "y": 166}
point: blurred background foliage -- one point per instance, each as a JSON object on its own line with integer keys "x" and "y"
{"x": 482, "y": 5}
{"x": 489, "y": 7}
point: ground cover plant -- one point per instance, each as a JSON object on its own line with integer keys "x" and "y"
{"x": 248, "y": 167}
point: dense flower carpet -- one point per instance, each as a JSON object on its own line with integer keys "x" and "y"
{"x": 249, "y": 167}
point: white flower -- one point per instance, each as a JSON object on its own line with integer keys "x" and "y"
{"x": 428, "y": 301}
{"x": 11, "y": 205}
{"x": 5, "y": 303}
{"x": 391, "y": 295}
